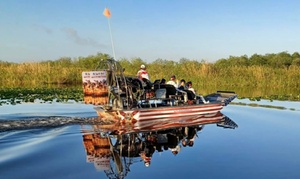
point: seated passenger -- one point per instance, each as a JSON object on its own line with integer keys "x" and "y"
{"x": 173, "y": 81}
{"x": 182, "y": 85}
{"x": 190, "y": 87}
{"x": 142, "y": 73}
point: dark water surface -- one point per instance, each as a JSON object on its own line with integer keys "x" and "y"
{"x": 264, "y": 145}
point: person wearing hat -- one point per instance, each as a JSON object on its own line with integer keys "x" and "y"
{"x": 146, "y": 159}
{"x": 142, "y": 73}
{"x": 173, "y": 81}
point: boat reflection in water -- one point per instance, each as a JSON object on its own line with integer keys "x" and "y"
{"x": 113, "y": 148}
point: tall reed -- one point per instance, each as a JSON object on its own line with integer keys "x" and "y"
{"x": 203, "y": 75}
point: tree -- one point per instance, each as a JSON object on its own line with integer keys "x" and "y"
{"x": 222, "y": 63}
{"x": 279, "y": 60}
{"x": 296, "y": 62}
{"x": 258, "y": 60}
{"x": 295, "y": 55}
{"x": 238, "y": 61}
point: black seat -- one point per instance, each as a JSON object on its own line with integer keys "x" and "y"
{"x": 136, "y": 84}
{"x": 156, "y": 82}
{"x": 190, "y": 94}
{"x": 148, "y": 84}
{"x": 171, "y": 90}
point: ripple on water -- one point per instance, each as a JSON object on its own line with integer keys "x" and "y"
{"x": 20, "y": 143}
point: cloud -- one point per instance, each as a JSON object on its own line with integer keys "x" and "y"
{"x": 43, "y": 28}
{"x": 73, "y": 35}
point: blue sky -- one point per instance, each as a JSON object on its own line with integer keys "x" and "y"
{"x": 36, "y": 30}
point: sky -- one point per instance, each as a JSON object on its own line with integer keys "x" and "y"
{"x": 38, "y": 30}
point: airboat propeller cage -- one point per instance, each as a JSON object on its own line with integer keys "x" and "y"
{"x": 105, "y": 85}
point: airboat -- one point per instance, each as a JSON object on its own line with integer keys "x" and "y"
{"x": 130, "y": 99}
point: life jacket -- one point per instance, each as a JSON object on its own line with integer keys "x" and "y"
{"x": 143, "y": 74}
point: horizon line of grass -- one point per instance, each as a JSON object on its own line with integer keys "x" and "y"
{"x": 205, "y": 76}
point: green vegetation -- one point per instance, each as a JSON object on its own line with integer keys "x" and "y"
{"x": 17, "y": 95}
{"x": 264, "y": 106}
{"x": 270, "y": 76}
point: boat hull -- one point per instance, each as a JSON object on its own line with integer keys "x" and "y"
{"x": 178, "y": 122}
{"x": 169, "y": 123}
{"x": 162, "y": 114}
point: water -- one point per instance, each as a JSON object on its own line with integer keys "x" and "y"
{"x": 264, "y": 145}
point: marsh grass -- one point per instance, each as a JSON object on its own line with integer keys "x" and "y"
{"x": 201, "y": 74}
{"x": 38, "y": 73}
{"x": 247, "y": 81}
